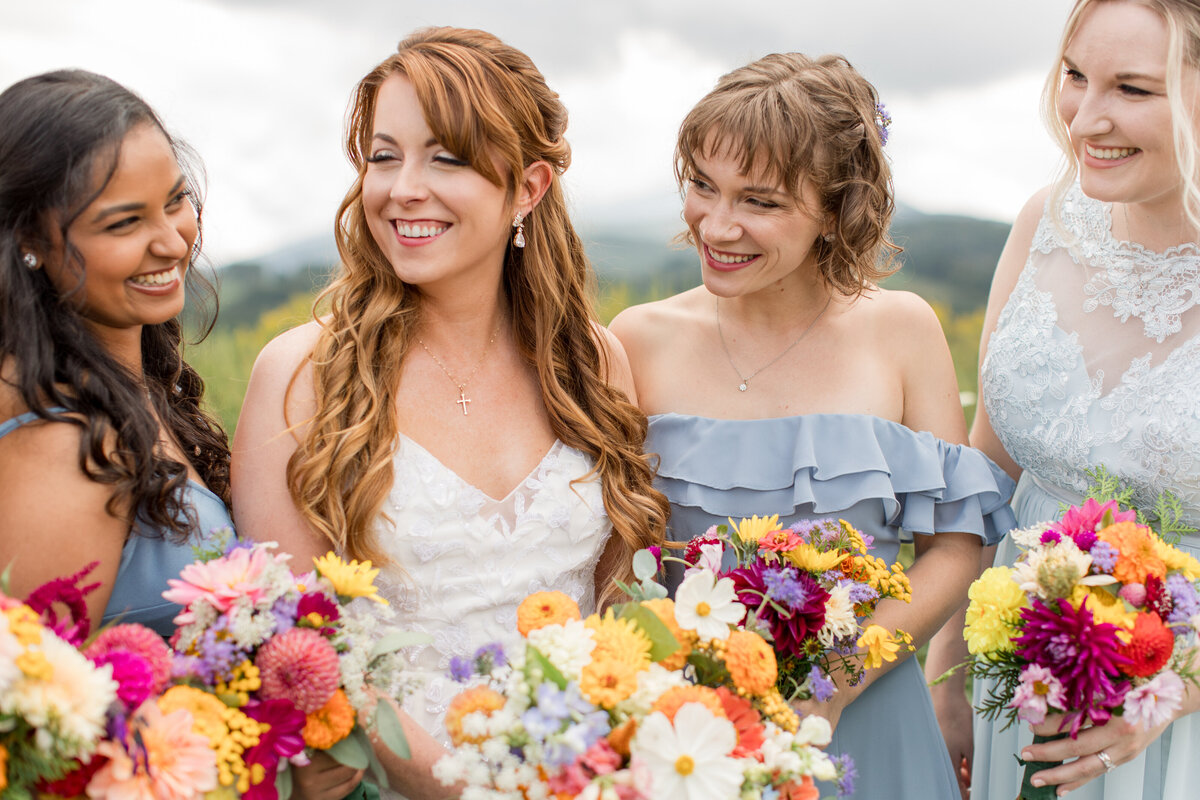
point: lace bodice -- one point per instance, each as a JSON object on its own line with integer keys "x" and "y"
{"x": 463, "y": 561}
{"x": 1095, "y": 360}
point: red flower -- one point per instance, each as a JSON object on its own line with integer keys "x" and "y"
{"x": 1158, "y": 599}
{"x": 746, "y": 721}
{"x": 75, "y": 782}
{"x": 1150, "y": 647}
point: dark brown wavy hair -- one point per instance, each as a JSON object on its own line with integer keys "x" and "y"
{"x": 487, "y": 103}
{"x": 791, "y": 118}
{"x": 57, "y": 132}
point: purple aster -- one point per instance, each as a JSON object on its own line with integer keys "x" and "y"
{"x": 461, "y": 669}
{"x": 861, "y": 592}
{"x": 285, "y": 611}
{"x": 1104, "y": 556}
{"x": 845, "y": 766}
{"x": 1186, "y": 603}
{"x": 1082, "y": 653}
{"x": 783, "y": 588}
{"x": 822, "y": 687}
{"x": 489, "y": 657}
{"x": 791, "y": 628}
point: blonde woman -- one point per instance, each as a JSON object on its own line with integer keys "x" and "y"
{"x": 458, "y": 416}
{"x": 790, "y": 384}
{"x": 1091, "y": 350}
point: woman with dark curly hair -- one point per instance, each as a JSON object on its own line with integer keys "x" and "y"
{"x": 105, "y": 452}
{"x": 790, "y": 384}
{"x": 458, "y": 416}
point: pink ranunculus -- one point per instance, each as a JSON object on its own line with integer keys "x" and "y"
{"x": 220, "y": 582}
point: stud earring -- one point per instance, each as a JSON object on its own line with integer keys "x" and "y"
{"x": 519, "y": 236}
{"x": 30, "y": 260}
{"x": 829, "y": 237}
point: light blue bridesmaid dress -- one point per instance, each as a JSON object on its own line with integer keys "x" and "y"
{"x": 148, "y": 559}
{"x": 886, "y": 480}
{"x": 1095, "y": 361}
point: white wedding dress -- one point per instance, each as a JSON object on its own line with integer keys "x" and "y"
{"x": 1095, "y": 361}
{"x": 463, "y": 561}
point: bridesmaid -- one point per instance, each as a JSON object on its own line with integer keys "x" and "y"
{"x": 790, "y": 384}
{"x": 105, "y": 451}
{"x": 1090, "y": 355}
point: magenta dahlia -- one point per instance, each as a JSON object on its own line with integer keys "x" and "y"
{"x": 283, "y": 739}
{"x": 134, "y": 676}
{"x": 141, "y": 641}
{"x": 1082, "y": 653}
{"x": 801, "y": 621}
{"x": 298, "y": 665}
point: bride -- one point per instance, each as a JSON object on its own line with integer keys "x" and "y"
{"x": 457, "y": 416}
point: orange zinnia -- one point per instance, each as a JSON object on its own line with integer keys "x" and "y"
{"x": 330, "y": 723}
{"x": 675, "y": 698}
{"x": 545, "y": 608}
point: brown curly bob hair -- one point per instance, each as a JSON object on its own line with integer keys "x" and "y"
{"x": 790, "y": 119}
{"x": 486, "y": 102}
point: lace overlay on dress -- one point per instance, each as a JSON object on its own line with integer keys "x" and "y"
{"x": 463, "y": 561}
{"x": 1069, "y": 389}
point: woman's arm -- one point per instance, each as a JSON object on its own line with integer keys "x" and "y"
{"x": 948, "y": 649}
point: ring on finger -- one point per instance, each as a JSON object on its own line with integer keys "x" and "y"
{"x": 1106, "y": 760}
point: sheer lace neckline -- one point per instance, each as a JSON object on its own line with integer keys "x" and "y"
{"x": 466, "y": 484}
{"x": 1134, "y": 281}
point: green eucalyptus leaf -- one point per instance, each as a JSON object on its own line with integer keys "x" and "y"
{"x": 349, "y": 751}
{"x": 662, "y": 642}
{"x": 391, "y": 732}
{"x": 644, "y": 565}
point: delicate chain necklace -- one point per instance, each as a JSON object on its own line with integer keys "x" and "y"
{"x": 462, "y": 400}
{"x": 745, "y": 379}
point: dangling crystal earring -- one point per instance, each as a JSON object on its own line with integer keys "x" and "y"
{"x": 519, "y": 236}
{"x": 30, "y": 260}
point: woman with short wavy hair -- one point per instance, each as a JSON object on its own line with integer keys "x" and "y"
{"x": 458, "y": 416}
{"x": 790, "y": 384}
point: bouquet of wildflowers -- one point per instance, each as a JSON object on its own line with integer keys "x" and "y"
{"x": 808, "y": 589}
{"x": 653, "y": 698}
{"x": 1098, "y": 617}
{"x": 273, "y": 665}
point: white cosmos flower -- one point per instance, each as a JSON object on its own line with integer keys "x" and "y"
{"x": 707, "y": 607}
{"x": 690, "y": 759}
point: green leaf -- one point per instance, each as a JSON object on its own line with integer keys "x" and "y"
{"x": 393, "y": 641}
{"x": 644, "y": 565}
{"x": 534, "y": 660}
{"x": 662, "y": 642}
{"x": 391, "y": 732}
{"x": 349, "y": 751}
{"x": 283, "y": 783}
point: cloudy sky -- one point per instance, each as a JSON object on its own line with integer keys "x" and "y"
{"x": 260, "y": 87}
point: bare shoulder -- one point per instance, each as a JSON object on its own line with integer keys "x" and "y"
{"x": 286, "y": 352}
{"x": 661, "y": 318}
{"x": 897, "y": 317}
{"x": 615, "y": 361}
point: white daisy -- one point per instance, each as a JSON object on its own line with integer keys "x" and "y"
{"x": 707, "y": 606}
{"x": 689, "y": 760}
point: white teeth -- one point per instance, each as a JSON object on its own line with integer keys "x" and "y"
{"x": 156, "y": 278}
{"x": 1110, "y": 153}
{"x": 419, "y": 231}
{"x": 728, "y": 258}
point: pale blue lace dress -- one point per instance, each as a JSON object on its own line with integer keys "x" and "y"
{"x": 148, "y": 559}
{"x": 885, "y": 479}
{"x": 1096, "y": 361}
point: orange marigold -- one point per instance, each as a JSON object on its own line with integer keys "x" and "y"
{"x": 545, "y": 608}
{"x": 664, "y": 609}
{"x": 479, "y": 698}
{"x": 330, "y": 723}
{"x": 675, "y": 698}
{"x": 751, "y": 662}
{"x": 608, "y": 681}
{"x": 1139, "y": 557}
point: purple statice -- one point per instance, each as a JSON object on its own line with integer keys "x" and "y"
{"x": 820, "y": 684}
{"x": 860, "y": 592}
{"x": 490, "y": 657}
{"x": 461, "y": 669}
{"x": 783, "y": 587}
{"x": 1185, "y": 602}
{"x": 1104, "y": 556}
{"x": 845, "y": 766}
{"x": 1050, "y": 536}
{"x": 1084, "y": 654}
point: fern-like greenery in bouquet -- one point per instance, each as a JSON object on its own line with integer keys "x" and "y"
{"x": 278, "y": 664}
{"x": 653, "y": 698}
{"x": 1098, "y": 617}
{"x": 810, "y": 590}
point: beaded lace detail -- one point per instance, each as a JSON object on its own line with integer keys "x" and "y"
{"x": 463, "y": 561}
{"x": 1067, "y": 390}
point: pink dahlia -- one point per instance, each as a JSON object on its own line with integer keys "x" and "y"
{"x": 801, "y": 620}
{"x": 134, "y": 676}
{"x": 141, "y": 641}
{"x": 221, "y": 582}
{"x": 1084, "y": 654}
{"x": 300, "y": 666}
{"x": 1081, "y": 522}
{"x": 282, "y": 740}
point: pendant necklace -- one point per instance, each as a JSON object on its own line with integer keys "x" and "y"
{"x": 745, "y": 379}
{"x": 462, "y": 400}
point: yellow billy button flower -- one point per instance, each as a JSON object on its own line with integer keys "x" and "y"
{"x": 351, "y": 579}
